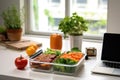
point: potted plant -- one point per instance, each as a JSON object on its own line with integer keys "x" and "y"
{"x": 12, "y": 22}
{"x": 2, "y": 33}
{"x": 74, "y": 26}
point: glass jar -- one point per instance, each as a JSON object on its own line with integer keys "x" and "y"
{"x": 56, "y": 41}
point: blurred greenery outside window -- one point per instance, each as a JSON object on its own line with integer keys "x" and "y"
{"x": 47, "y": 14}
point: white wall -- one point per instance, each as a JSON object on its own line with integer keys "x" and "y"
{"x": 113, "y": 16}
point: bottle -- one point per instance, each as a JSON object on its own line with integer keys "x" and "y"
{"x": 56, "y": 41}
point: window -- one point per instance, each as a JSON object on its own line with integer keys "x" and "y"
{"x": 81, "y": 1}
{"x": 57, "y": 20}
{"x": 95, "y": 15}
{"x": 46, "y": 17}
{"x": 56, "y": 1}
{"x": 104, "y": 2}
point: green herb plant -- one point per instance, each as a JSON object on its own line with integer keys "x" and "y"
{"x": 74, "y": 25}
{"x": 2, "y": 30}
{"x": 12, "y": 18}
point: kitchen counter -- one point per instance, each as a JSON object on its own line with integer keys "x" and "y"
{"x": 8, "y": 69}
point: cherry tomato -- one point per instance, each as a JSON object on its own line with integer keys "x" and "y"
{"x": 21, "y": 62}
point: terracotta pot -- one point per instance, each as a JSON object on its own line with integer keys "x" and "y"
{"x": 2, "y": 37}
{"x": 14, "y": 34}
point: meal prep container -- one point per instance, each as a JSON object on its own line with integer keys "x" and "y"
{"x": 56, "y": 68}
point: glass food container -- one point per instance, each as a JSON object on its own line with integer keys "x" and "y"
{"x": 55, "y": 68}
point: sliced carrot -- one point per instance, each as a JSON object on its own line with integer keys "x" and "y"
{"x": 76, "y": 56}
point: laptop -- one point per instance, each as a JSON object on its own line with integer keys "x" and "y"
{"x": 110, "y": 56}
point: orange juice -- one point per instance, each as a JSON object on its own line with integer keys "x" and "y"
{"x": 56, "y": 41}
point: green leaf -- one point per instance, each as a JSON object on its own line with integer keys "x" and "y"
{"x": 76, "y": 49}
{"x": 50, "y": 51}
{"x": 2, "y": 29}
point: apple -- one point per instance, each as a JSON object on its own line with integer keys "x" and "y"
{"x": 21, "y": 62}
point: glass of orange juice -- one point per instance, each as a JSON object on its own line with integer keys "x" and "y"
{"x": 56, "y": 41}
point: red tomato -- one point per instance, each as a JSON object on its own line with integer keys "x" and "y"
{"x": 21, "y": 62}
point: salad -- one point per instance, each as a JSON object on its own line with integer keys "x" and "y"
{"x": 68, "y": 58}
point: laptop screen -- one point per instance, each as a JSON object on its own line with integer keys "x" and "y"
{"x": 111, "y": 47}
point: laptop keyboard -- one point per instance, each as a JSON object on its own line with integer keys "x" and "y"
{"x": 112, "y": 65}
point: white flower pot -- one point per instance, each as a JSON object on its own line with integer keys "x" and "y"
{"x": 76, "y": 41}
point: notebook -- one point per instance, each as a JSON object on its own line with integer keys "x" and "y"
{"x": 110, "y": 56}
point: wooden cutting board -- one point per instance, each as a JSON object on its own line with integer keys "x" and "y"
{"x": 21, "y": 45}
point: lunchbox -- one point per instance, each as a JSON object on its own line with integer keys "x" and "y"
{"x": 55, "y": 68}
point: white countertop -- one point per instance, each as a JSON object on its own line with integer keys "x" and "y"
{"x": 7, "y": 67}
